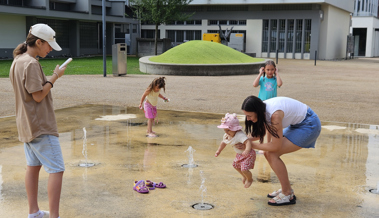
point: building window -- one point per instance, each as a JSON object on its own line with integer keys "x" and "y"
{"x": 299, "y": 35}
{"x": 179, "y": 36}
{"x": 282, "y": 35}
{"x": 290, "y": 34}
{"x": 227, "y": 22}
{"x": 233, "y": 22}
{"x": 242, "y": 22}
{"x": 307, "y": 36}
{"x": 223, "y": 22}
{"x": 212, "y": 22}
{"x": 273, "y": 34}
{"x": 150, "y": 34}
{"x": 265, "y": 36}
{"x": 61, "y": 28}
{"x": 88, "y": 35}
{"x": 298, "y": 32}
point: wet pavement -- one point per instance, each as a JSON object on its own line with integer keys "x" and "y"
{"x": 332, "y": 180}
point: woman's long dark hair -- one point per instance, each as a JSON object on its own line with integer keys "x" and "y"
{"x": 258, "y": 129}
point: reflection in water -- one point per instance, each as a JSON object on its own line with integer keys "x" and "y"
{"x": 1, "y": 182}
{"x": 84, "y": 151}
{"x": 203, "y": 188}
{"x": 189, "y": 175}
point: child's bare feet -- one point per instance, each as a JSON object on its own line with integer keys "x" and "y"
{"x": 243, "y": 180}
{"x": 248, "y": 183}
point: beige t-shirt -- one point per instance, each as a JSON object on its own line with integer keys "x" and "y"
{"x": 33, "y": 119}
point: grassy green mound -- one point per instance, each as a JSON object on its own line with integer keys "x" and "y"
{"x": 203, "y": 52}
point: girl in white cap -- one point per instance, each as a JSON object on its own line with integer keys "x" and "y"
{"x": 35, "y": 117}
{"x": 245, "y": 159}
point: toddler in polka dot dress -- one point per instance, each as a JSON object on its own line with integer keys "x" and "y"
{"x": 245, "y": 159}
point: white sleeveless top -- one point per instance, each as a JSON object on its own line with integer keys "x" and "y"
{"x": 294, "y": 110}
{"x": 239, "y": 137}
{"x": 152, "y": 97}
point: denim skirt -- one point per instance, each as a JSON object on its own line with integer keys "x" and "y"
{"x": 304, "y": 134}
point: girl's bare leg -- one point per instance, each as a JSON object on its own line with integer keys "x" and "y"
{"x": 278, "y": 166}
{"x": 150, "y": 125}
{"x": 54, "y": 188}
{"x": 249, "y": 178}
{"x": 243, "y": 175}
{"x": 31, "y": 185}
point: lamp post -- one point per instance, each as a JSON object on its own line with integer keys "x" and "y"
{"x": 104, "y": 39}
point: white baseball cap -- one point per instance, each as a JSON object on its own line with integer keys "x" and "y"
{"x": 46, "y": 33}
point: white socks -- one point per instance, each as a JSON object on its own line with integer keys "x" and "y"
{"x": 39, "y": 214}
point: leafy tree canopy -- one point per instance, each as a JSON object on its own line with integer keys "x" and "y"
{"x": 161, "y": 11}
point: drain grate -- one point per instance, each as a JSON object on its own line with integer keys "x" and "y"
{"x": 202, "y": 206}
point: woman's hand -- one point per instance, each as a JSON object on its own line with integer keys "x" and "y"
{"x": 58, "y": 71}
{"x": 245, "y": 153}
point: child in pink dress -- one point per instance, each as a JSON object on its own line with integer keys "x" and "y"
{"x": 150, "y": 96}
{"x": 245, "y": 159}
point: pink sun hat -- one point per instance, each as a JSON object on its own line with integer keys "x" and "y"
{"x": 231, "y": 122}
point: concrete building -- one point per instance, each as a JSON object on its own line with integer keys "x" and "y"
{"x": 293, "y": 28}
{"x": 365, "y": 28}
{"x": 77, "y": 23}
{"x": 296, "y": 28}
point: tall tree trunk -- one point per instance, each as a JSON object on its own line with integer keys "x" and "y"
{"x": 156, "y": 39}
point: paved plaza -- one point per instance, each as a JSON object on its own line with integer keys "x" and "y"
{"x": 340, "y": 91}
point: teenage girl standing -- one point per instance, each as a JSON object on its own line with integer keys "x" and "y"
{"x": 35, "y": 117}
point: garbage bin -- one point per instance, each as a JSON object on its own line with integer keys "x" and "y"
{"x": 119, "y": 56}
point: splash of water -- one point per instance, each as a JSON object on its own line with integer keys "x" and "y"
{"x": 84, "y": 151}
{"x": 191, "y": 162}
{"x": 377, "y": 189}
{"x": 1, "y": 182}
{"x": 203, "y": 188}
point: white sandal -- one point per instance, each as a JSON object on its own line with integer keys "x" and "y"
{"x": 276, "y": 193}
{"x": 282, "y": 199}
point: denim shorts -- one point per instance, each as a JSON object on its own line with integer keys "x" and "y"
{"x": 304, "y": 134}
{"x": 45, "y": 150}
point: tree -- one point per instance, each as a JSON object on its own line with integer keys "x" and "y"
{"x": 159, "y": 12}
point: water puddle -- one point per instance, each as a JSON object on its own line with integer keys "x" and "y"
{"x": 334, "y": 179}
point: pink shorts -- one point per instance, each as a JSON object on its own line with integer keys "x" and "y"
{"x": 150, "y": 110}
{"x": 245, "y": 163}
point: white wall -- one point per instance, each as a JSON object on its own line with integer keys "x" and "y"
{"x": 15, "y": 30}
{"x": 333, "y": 32}
{"x": 371, "y": 23}
{"x": 254, "y": 37}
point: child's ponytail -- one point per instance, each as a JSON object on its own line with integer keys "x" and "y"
{"x": 160, "y": 82}
{"x": 20, "y": 49}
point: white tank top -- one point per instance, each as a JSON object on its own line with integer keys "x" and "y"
{"x": 152, "y": 97}
{"x": 294, "y": 110}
